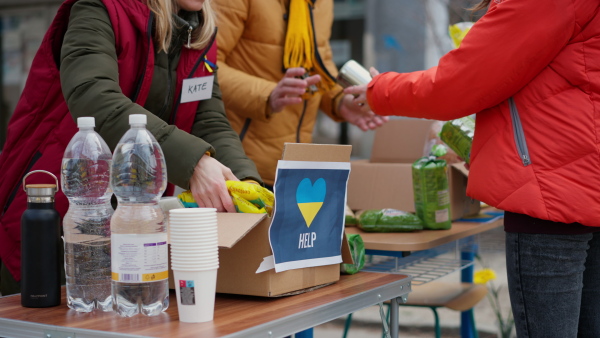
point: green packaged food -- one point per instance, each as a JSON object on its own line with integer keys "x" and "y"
{"x": 357, "y": 249}
{"x": 350, "y": 218}
{"x": 430, "y": 187}
{"x": 350, "y": 221}
{"x": 389, "y": 220}
{"x": 458, "y": 135}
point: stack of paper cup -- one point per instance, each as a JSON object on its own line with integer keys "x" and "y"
{"x": 194, "y": 261}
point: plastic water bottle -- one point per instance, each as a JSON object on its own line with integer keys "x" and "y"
{"x": 85, "y": 177}
{"x": 138, "y": 227}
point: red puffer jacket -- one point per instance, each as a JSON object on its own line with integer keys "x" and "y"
{"x": 41, "y": 126}
{"x": 530, "y": 70}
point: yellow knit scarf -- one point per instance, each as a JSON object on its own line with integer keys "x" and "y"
{"x": 300, "y": 49}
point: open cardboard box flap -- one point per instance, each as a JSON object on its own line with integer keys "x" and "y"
{"x": 403, "y": 141}
{"x": 400, "y": 141}
{"x": 233, "y": 227}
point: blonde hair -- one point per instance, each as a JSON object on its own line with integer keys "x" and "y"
{"x": 163, "y": 11}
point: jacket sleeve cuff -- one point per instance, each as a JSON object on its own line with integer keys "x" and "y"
{"x": 182, "y": 152}
{"x": 330, "y": 104}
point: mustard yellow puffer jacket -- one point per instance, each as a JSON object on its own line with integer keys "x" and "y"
{"x": 250, "y": 40}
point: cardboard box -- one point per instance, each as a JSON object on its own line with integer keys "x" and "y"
{"x": 385, "y": 181}
{"x": 244, "y": 242}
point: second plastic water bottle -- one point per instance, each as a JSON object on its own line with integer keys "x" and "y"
{"x": 85, "y": 175}
{"x": 138, "y": 226}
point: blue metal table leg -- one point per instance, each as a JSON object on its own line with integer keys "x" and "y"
{"x": 308, "y": 333}
{"x": 466, "y": 276}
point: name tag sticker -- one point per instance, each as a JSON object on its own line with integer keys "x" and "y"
{"x": 197, "y": 89}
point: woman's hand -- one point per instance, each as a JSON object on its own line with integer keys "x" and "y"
{"x": 355, "y": 108}
{"x": 290, "y": 89}
{"x": 360, "y": 115}
{"x": 360, "y": 92}
{"x": 208, "y": 184}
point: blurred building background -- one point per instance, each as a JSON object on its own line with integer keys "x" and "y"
{"x": 391, "y": 35}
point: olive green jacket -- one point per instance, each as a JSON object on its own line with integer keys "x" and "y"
{"x": 89, "y": 79}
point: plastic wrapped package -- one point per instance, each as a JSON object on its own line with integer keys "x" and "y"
{"x": 432, "y": 198}
{"x": 433, "y": 139}
{"x": 350, "y": 218}
{"x": 388, "y": 220}
{"x": 458, "y": 135}
{"x": 357, "y": 249}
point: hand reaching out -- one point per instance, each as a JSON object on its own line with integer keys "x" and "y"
{"x": 355, "y": 109}
{"x": 290, "y": 89}
{"x": 360, "y": 115}
{"x": 208, "y": 185}
{"x": 360, "y": 92}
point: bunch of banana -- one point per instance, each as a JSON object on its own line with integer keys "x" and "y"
{"x": 250, "y": 198}
{"x": 247, "y": 198}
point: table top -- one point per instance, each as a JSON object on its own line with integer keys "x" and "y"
{"x": 424, "y": 239}
{"x": 235, "y": 315}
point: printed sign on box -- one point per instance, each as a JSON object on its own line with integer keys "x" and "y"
{"x": 308, "y": 220}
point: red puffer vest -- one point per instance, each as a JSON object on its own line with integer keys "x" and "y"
{"x": 41, "y": 126}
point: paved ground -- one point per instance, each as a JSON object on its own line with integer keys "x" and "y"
{"x": 418, "y": 322}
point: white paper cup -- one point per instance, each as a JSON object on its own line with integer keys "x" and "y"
{"x": 195, "y": 234}
{"x": 197, "y": 263}
{"x": 195, "y": 211}
{"x": 187, "y": 246}
{"x": 196, "y": 225}
{"x": 205, "y": 238}
{"x": 195, "y": 295}
{"x": 192, "y": 218}
{"x": 195, "y": 268}
{"x": 192, "y": 225}
{"x": 197, "y": 249}
{"x": 192, "y": 261}
{"x": 194, "y": 256}
{"x": 196, "y": 229}
{"x": 182, "y": 244}
{"x": 186, "y": 237}
{"x": 191, "y": 251}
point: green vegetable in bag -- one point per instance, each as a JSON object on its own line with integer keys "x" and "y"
{"x": 389, "y": 220}
{"x": 430, "y": 187}
{"x": 458, "y": 135}
{"x": 350, "y": 218}
{"x": 357, "y": 249}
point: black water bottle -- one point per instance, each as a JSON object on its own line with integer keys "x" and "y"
{"x": 40, "y": 246}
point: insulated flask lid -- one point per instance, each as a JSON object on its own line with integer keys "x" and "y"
{"x": 40, "y": 190}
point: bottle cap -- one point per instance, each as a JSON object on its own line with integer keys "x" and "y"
{"x": 137, "y": 119}
{"x": 83, "y": 122}
{"x": 40, "y": 190}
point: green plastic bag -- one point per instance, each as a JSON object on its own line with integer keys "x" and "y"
{"x": 432, "y": 198}
{"x": 458, "y": 135}
{"x": 357, "y": 249}
{"x": 389, "y": 220}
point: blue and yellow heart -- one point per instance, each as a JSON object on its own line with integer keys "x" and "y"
{"x": 310, "y": 198}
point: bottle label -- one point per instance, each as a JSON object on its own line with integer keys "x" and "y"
{"x": 139, "y": 258}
